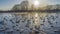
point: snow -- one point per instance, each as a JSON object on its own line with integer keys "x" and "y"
{"x": 18, "y": 24}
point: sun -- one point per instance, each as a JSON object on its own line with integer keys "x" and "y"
{"x": 36, "y": 3}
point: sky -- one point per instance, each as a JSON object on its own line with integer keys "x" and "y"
{"x": 8, "y": 4}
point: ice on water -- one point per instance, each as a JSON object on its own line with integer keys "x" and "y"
{"x": 18, "y": 24}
